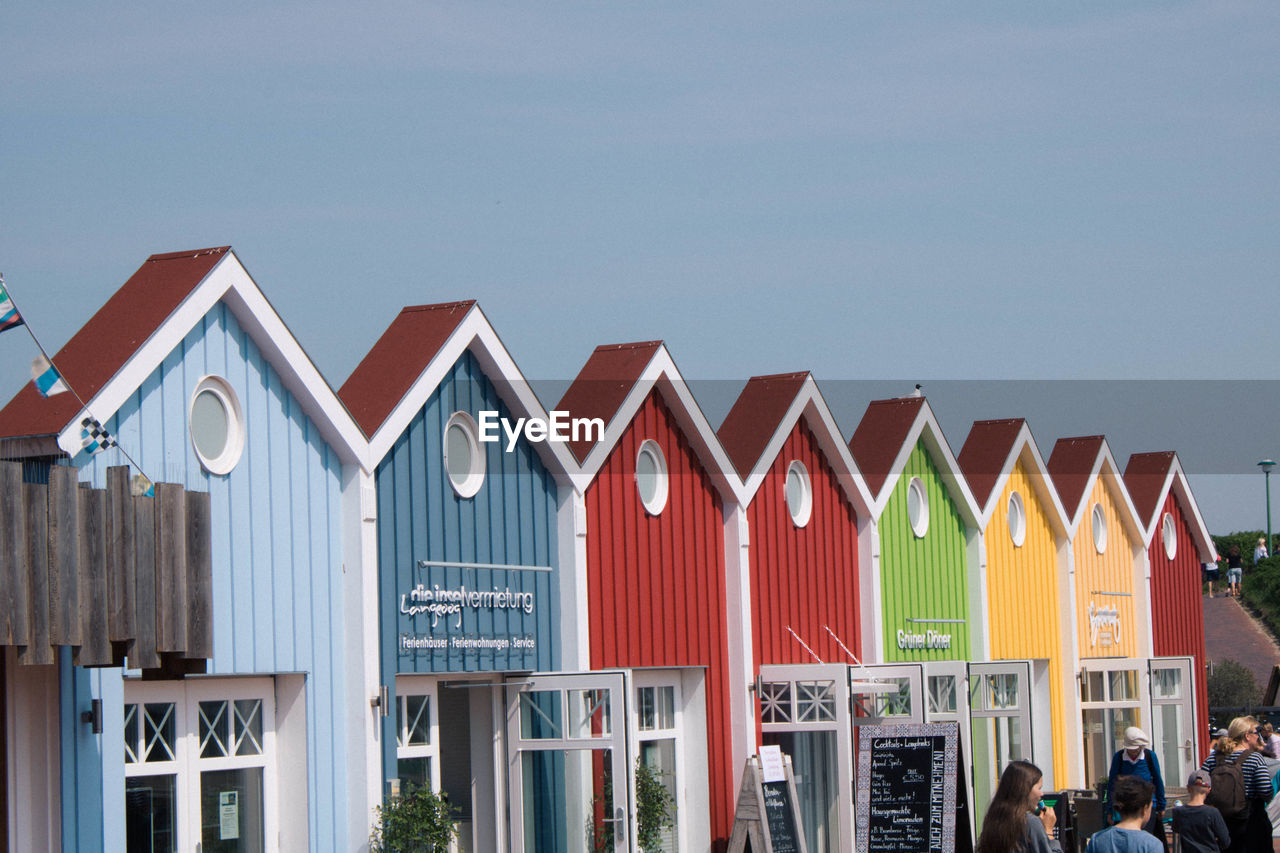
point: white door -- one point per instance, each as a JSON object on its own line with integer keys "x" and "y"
{"x": 1000, "y": 707}
{"x": 1113, "y": 696}
{"x": 875, "y": 704}
{"x": 1173, "y": 717}
{"x": 567, "y": 763}
{"x": 805, "y": 710}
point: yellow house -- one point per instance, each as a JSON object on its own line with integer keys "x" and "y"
{"x": 1111, "y": 608}
{"x": 1026, "y": 597}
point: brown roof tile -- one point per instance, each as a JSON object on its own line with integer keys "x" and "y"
{"x": 1144, "y": 477}
{"x": 880, "y": 436}
{"x": 755, "y": 417}
{"x": 111, "y": 337}
{"x": 984, "y": 454}
{"x": 603, "y": 383}
{"x": 1070, "y": 465}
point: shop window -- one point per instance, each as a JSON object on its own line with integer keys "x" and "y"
{"x": 651, "y": 477}
{"x": 942, "y": 694}
{"x": 1017, "y": 520}
{"x": 799, "y": 493}
{"x": 1169, "y": 536}
{"x": 216, "y": 423}
{"x": 417, "y": 754}
{"x": 199, "y": 761}
{"x": 815, "y": 701}
{"x": 917, "y": 507}
{"x": 1099, "y": 518}
{"x": 464, "y": 461}
{"x": 896, "y": 704}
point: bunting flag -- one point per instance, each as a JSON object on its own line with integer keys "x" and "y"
{"x": 93, "y": 440}
{"x": 9, "y": 316}
{"x": 46, "y": 377}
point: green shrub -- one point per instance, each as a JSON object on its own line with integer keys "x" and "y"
{"x": 418, "y": 821}
{"x": 1231, "y": 685}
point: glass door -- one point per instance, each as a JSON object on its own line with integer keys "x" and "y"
{"x": 1113, "y": 694}
{"x": 1173, "y": 714}
{"x": 1000, "y": 702}
{"x": 805, "y": 710}
{"x": 567, "y": 763}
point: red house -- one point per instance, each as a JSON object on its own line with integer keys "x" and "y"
{"x": 1177, "y": 543}
{"x": 805, "y": 506}
{"x": 659, "y": 604}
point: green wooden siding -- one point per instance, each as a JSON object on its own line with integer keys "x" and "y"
{"x": 925, "y": 577}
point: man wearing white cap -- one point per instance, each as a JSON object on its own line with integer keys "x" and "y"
{"x": 1136, "y": 759}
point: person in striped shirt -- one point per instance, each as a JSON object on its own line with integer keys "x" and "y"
{"x": 1250, "y": 831}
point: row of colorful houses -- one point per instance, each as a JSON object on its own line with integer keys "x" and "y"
{"x": 427, "y": 577}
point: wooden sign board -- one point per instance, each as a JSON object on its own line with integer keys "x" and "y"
{"x": 767, "y": 817}
{"x": 908, "y": 790}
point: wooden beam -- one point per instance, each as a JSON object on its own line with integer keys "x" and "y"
{"x": 15, "y": 586}
{"x": 199, "y": 576}
{"x": 39, "y": 649}
{"x": 141, "y": 650}
{"x": 95, "y": 644}
{"x": 171, "y": 571}
{"x": 121, "y": 578}
{"x": 64, "y": 553}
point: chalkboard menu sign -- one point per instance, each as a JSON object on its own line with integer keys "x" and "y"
{"x": 779, "y": 814}
{"x": 767, "y": 819}
{"x": 906, "y": 788}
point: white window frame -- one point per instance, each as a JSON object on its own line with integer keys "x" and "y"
{"x": 470, "y": 485}
{"x": 427, "y": 686}
{"x": 1169, "y": 535}
{"x": 1098, "y": 523}
{"x": 803, "y": 510}
{"x": 658, "y": 501}
{"x": 225, "y": 461}
{"x": 1017, "y": 519}
{"x": 920, "y": 524}
{"x": 187, "y": 764}
{"x": 646, "y": 679}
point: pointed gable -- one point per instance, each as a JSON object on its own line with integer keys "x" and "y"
{"x": 756, "y": 416}
{"x": 1146, "y": 477}
{"x": 880, "y": 436}
{"x": 398, "y": 358}
{"x": 112, "y": 336}
{"x": 1072, "y": 465}
{"x": 604, "y": 383}
{"x": 986, "y": 452}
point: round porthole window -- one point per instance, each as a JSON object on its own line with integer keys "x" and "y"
{"x": 799, "y": 493}
{"x": 1169, "y": 535}
{"x": 216, "y": 423}
{"x": 1099, "y": 529}
{"x": 917, "y": 507}
{"x": 1017, "y": 520}
{"x": 651, "y": 477}
{"x": 463, "y": 458}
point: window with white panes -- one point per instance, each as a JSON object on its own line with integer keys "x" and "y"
{"x": 417, "y": 734}
{"x": 657, "y": 743}
{"x": 199, "y": 761}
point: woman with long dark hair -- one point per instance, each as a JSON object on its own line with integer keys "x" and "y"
{"x": 1011, "y": 824}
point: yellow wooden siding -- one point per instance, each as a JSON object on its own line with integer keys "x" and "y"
{"x": 1023, "y": 598}
{"x": 1109, "y": 572}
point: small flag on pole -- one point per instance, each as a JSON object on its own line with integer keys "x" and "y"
{"x": 9, "y": 316}
{"x": 47, "y": 378}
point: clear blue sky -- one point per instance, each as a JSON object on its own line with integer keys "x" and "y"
{"x": 865, "y": 190}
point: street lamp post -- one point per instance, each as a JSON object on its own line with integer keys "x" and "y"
{"x": 1266, "y": 465}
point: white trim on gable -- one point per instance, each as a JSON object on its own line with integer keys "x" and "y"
{"x": 1176, "y": 479}
{"x": 811, "y": 406}
{"x": 1024, "y": 448}
{"x": 926, "y": 427}
{"x": 1105, "y": 466}
{"x": 229, "y": 281}
{"x": 662, "y": 373}
{"x": 477, "y": 335}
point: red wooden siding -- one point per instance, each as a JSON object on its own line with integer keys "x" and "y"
{"x": 803, "y": 577}
{"x": 656, "y": 584}
{"x": 1177, "y": 608}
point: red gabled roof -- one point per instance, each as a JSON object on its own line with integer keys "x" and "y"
{"x": 1070, "y": 466}
{"x": 398, "y": 358}
{"x": 755, "y": 416}
{"x": 603, "y": 384}
{"x": 1144, "y": 477}
{"x": 880, "y": 435}
{"x": 984, "y": 453}
{"x": 111, "y": 337}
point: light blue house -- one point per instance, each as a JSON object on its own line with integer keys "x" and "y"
{"x": 276, "y": 747}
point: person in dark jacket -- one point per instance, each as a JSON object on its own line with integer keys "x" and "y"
{"x": 1250, "y": 831}
{"x": 1137, "y": 759}
{"x": 1200, "y": 826}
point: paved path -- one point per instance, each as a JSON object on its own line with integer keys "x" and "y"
{"x": 1230, "y": 633}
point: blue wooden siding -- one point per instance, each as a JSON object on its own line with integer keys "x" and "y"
{"x": 511, "y": 521}
{"x": 276, "y": 546}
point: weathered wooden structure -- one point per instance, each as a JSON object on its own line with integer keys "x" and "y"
{"x": 107, "y": 572}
